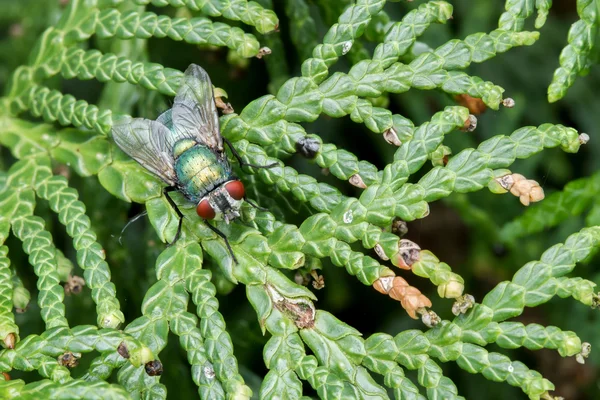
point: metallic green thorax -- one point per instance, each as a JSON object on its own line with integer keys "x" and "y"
{"x": 199, "y": 170}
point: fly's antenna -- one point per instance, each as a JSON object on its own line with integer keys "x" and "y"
{"x": 245, "y": 164}
{"x": 131, "y": 221}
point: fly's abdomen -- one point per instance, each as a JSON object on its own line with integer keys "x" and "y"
{"x": 199, "y": 171}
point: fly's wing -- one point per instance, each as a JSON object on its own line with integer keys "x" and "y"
{"x": 194, "y": 111}
{"x": 146, "y": 142}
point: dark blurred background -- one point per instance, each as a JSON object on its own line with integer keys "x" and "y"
{"x": 474, "y": 249}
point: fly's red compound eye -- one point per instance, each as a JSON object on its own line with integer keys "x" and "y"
{"x": 235, "y": 189}
{"x": 205, "y": 210}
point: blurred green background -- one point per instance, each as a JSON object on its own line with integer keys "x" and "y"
{"x": 463, "y": 230}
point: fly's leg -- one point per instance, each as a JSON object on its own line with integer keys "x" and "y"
{"x": 222, "y": 235}
{"x": 253, "y": 204}
{"x": 166, "y": 192}
{"x": 245, "y": 164}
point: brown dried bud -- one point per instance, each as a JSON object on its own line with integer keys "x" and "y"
{"x": 408, "y": 254}
{"x": 586, "y": 349}
{"x": 475, "y": 105}
{"x": 226, "y": 108}
{"x": 123, "y": 351}
{"x": 68, "y": 359}
{"x": 409, "y": 297}
{"x": 6, "y": 376}
{"x": 10, "y": 340}
{"x": 527, "y": 190}
{"x": 595, "y": 300}
{"x": 357, "y": 181}
{"x": 470, "y": 124}
{"x": 74, "y": 285}
{"x": 153, "y": 368}
{"x": 319, "y": 281}
{"x": 263, "y": 51}
{"x": 399, "y": 227}
{"x": 398, "y": 289}
{"x": 429, "y": 318}
{"x": 508, "y": 102}
{"x": 463, "y": 304}
{"x": 413, "y": 301}
{"x": 391, "y": 136}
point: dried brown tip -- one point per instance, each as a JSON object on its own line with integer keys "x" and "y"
{"x": 475, "y": 105}
{"x": 226, "y": 108}
{"x": 470, "y": 124}
{"x": 384, "y": 285}
{"x": 10, "y": 340}
{"x": 391, "y": 136}
{"x": 527, "y": 190}
{"x": 6, "y": 376}
{"x": 263, "y": 51}
{"x": 301, "y": 311}
{"x": 429, "y": 318}
{"x": 357, "y": 181}
{"x": 408, "y": 254}
{"x": 123, "y": 351}
{"x": 586, "y": 349}
{"x": 398, "y": 289}
{"x": 318, "y": 282}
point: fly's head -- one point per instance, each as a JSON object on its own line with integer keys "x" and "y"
{"x": 223, "y": 203}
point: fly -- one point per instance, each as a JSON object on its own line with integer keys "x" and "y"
{"x": 184, "y": 148}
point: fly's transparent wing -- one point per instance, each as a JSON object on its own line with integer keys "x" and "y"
{"x": 194, "y": 111}
{"x": 146, "y": 142}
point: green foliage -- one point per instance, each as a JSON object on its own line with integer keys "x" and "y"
{"x": 581, "y": 52}
{"x": 65, "y": 189}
